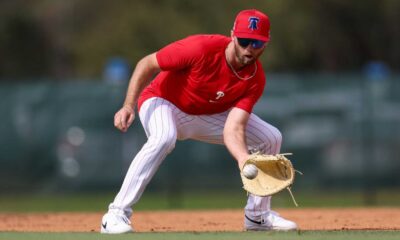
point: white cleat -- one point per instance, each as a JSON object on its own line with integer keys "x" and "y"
{"x": 269, "y": 221}
{"x": 115, "y": 223}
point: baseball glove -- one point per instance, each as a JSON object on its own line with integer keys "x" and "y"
{"x": 275, "y": 173}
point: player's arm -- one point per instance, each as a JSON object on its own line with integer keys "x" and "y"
{"x": 141, "y": 77}
{"x": 235, "y": 135}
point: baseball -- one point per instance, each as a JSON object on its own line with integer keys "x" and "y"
{"x": 250, "y": 171}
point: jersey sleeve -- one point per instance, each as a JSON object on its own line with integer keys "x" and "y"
{"x": 180, "y": 54}
{"x": 251, "y": 96}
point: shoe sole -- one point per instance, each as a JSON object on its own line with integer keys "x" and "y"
{"x": 105, "y": 231}
{"x": 271, "y": 229}
{"x": 276, "y": 230}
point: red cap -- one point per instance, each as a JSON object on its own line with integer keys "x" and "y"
{"x": 252, "y": 24}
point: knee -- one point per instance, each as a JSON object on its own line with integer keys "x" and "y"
{"x": 275, "y": 141}
{"x": 278, "y": 136}
{"x": 168, "y": 143}
{"x": 164, "y": 143}
{"x": 271, "y": 141}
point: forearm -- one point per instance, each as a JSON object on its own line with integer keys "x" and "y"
{"x": 235, "y": 135}
{"x": 141, "y": 77}
{"x": 234, "y": 139}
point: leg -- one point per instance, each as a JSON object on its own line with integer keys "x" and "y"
{"x": 157, "y": 118}
{"x": 261, "y": 137}
{"x": 264, "y": 138}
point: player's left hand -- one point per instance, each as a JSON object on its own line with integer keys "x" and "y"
{"x": 274, "y": 173}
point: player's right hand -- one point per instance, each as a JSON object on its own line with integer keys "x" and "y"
{"x": 124, "y": 118}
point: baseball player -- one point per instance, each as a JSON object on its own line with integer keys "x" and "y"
{"x": 205, "y": 90}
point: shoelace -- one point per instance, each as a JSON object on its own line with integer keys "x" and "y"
{"x": 274, "y": 215}
{"x": 272, "y": 212}
{"x": 124, "y": 218}
{"x": 120, "y": 215}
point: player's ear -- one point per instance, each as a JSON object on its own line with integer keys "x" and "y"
{"x": 232, "y": 36}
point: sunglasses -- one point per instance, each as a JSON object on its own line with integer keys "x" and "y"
{"x": 256, "y": 44}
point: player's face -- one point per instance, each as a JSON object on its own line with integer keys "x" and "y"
{"x": 247, "y": 51}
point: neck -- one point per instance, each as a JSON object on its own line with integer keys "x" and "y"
{"x": 231, "y": 57}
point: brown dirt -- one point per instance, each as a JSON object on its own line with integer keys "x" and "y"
{"x": 205, "y": 221}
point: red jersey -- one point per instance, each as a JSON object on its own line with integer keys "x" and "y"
{"x": 197, "y": 79}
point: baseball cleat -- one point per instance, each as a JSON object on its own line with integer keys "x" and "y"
{"x": 114, "y": 223}
{"x": 269, "y": 221}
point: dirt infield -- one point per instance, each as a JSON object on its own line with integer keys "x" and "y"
{"x": 205, "y": 221}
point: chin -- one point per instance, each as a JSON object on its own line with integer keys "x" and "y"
{"x": 247, "y": 61}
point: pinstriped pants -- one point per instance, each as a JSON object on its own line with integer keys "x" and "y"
{"x": 164, "y": 123}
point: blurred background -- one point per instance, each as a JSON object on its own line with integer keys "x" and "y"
{"x": 333, "y": 89}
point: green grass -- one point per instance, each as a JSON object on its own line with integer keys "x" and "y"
{"x": 300, "y": 235}
{"x": 198, "y": 200}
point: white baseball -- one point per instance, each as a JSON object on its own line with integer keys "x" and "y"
{"x": 250, "y": 171}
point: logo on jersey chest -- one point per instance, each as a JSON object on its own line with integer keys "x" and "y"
{"x": 219, "y": 94}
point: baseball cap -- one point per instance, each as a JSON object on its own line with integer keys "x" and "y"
{"x": 252, "y": 24}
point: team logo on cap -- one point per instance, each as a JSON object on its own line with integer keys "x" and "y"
{"x": 253, "y": 21}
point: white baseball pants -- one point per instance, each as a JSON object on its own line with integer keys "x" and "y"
{"x": 164, "y": 123}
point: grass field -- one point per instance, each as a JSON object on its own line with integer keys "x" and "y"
{"x": 199, "y": 200}
{"x": 301, "y": 235}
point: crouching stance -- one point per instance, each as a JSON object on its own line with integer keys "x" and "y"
{"x": 205, "y": 89}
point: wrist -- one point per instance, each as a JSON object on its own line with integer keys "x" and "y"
{"x": 242, "y": 161}
{"x": 130, "y": 106}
